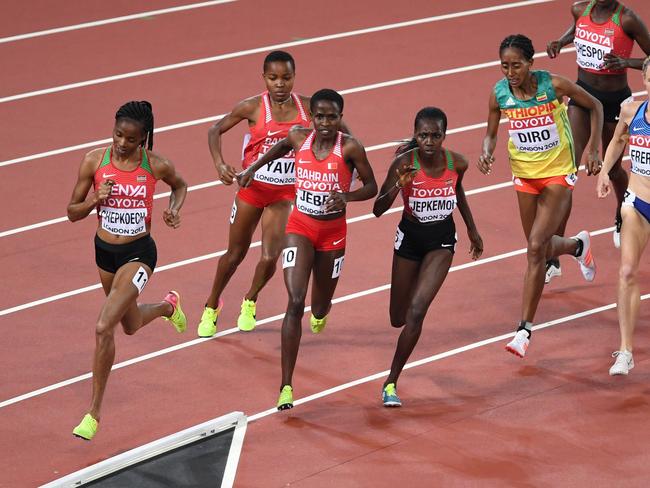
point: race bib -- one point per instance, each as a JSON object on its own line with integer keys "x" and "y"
{"x": 311, "y": 202}
{"x": 432, "y": 209}
{"x": 278, "y": 172}
{"x": 534, "y": 134}
{"x": 123, "y": 221}
{"x": 639, "y": 153}
{"x": 591, "y": 48}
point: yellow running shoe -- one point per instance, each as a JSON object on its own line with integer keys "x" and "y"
{"x": 246, "y": 320}
{"x": 208, "y": 324}
{"x": 177, "y": 318}
{"x": 285, "y": 402}
{"x": 317, "y": 325}
{"x": 87, "y": 428}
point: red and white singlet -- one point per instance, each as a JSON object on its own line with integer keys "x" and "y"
{"x": 316, "y": 179}
{"x": 593, "y": 41}
{"x": 429, "y": 199}
{"x": 263, "y": 135}
{"x": 127, "y": 210}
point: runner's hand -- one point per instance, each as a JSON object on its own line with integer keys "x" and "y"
{"x": 244, "y": 179}
{"x": 227, "y": 174}
{"x": 335, "y": 202}
{"x": 612, "y": 61}
{"x": 594, "y": 163}
{"x": 172, "y": 218}
{"x": 104, "y": 190}
{"x": 604, "y": 185}
{"x": 485, "y": 163}
{"x": 553, "y": 49}
{"x": 476, "y": 246}
{"x": 405, "y": 174}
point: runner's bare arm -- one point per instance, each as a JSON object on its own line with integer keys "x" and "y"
{"x": 616, "y": 146}
{"x": 565, "y": 87}
{"x": 165, "y": 170}
{"x": 486, "y": 159}
{"x": 401, "y": 171}
{"x": 637, "y": 30}
{"x": 476, "y": 242}
{"x": 244, "y": 110}
{"x": 80, "y": 205}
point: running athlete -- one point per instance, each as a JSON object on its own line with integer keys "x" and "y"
{"x": 429, "y": 178}
{"x": 123, "y": 177}
{"x": 633, "y": 129}
{"x": 542, "y": 163}
{"x": 269, "y": 196}
{"x": 326, "y": 159}
{"x": 603, "y": 33}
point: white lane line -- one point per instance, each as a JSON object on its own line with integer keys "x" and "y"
{"x": 210, "y": 184}
{"x": 96, "y": 23}
{"x": 267, "y": 320}
{"x": 438, "y": 357}
{"x": 214, "y": 118}
{"x": 264, "y": 49}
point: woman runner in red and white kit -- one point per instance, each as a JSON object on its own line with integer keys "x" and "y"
{"x": 124, "y": 177}
{"x": 316, "y": 231}
{"x": 269, "y": 196}
{"x": 429, "y": 178}
{"x": 603, "y": 33}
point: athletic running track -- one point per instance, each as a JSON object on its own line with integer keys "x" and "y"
{"x": 473, "y": 415}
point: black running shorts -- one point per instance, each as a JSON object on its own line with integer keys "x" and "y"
{"x": 110, "y": 257}
{"x": 414, "y": 240}
{"x": 611, "y": 100}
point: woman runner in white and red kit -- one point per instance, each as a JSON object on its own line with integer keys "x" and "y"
{"x": 316, "y": 232}
{"x": 270, "y": 115}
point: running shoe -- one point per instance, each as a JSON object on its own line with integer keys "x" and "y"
{"x": 317, "y": 325}
{"x": 87, "y": 428}
{"x": 208, "y": 324}
{"x": 389, "y": 396}
{"x": 623, "y": 363}
{"x": 585, "y": 259}
{"x": 552, "y": 270}
{"x": 177, "y": 318}
{"x": 285, "y": 401}
{"x": 519, "y": 343}
{"x": 616, "y": 236}
{"x": 246, "y": 320}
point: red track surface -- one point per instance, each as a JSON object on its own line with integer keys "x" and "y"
{"x": 480, "y": 416}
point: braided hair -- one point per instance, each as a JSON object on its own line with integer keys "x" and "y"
{"x": 521, "y": 42}
{"x": 139, "y": 111}
{"x": 427, "y": 113}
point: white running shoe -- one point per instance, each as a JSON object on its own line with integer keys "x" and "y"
{"x": 551, "y": 272}
{"x": 519, "y": 343}
{"x": 623, "y": 364}
{"x": 616, "y": 236}
{"x": 586, "y": 260}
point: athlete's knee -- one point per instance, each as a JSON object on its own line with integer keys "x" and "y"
{"x": 104, "y": 330}
{"x": 296, "y": 306}
{"x": 269, "y": 262}
{"x": 235, "y": 255}
{"x": 416, "y": 314}
{"x": 537, "y": 247}
{"x": 627, "y": 274}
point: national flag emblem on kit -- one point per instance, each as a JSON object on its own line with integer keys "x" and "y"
{"x": 141, "y": 178}
{"x": 542, "y": 97}
{"x": 331, "y": 165}
{"x": 449, "y": 181}
{"x": 609, "y": 32}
